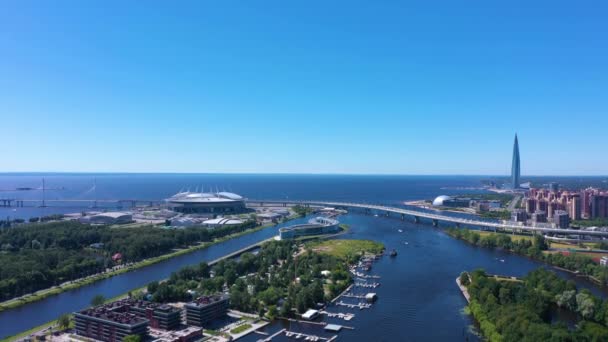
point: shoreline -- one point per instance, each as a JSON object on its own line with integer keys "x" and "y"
{"x": 576, "y": 273}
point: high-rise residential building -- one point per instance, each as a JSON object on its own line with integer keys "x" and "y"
{"x": 539, "y": 217}
{"x": 519, "y": 215}
{"x": 561, "y": 219}
{"x": 543, "y": 205}
{"x": 586, "y": 202}
{"x": 515, "y": 165}
{"x": 551, "y": 209}
{"x": 599, "y": 206}
{"x": 531, "y": 205}
{"x": 574, "y": 207}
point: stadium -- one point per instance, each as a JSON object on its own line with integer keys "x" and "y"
{"x": 206, "y": 202}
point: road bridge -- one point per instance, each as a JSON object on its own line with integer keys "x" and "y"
{"x": 434, "y": 217}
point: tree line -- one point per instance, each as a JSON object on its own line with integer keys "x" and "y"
{"x": 273, "y": 282}
{"x": 39, "y": 256}
{"x": 527, "y": 310}
{"x": 533, "y": 249}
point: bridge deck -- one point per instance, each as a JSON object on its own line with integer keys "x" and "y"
{"x": 440, "y": 217}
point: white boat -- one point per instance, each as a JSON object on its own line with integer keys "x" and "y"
{"x": 400, "y": 230}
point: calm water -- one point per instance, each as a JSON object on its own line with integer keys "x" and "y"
{"x": 418, "y": 297}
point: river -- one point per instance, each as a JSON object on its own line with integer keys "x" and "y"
{"x": 418, "y": 299}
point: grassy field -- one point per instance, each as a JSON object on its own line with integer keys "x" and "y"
{"x": 241, "y": 328}
{"x": 344, "y": 248}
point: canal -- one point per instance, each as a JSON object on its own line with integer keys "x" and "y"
{"x": 25, "y": 317}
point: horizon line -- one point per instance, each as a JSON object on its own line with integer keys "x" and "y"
{"x": 284, "y": 173}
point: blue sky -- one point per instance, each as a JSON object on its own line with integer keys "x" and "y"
{"x": 410, "y": 87}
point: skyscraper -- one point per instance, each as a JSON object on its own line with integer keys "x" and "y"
{"x": 515, "y": 171}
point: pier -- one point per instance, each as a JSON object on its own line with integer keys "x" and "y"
{"x": 359, "y": 306}
{"x": 367, "y": 285}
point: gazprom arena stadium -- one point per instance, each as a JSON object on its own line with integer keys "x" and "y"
{"x": 206, "y": 202}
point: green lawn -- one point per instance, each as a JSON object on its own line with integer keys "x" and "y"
{"x": 343, "y": 248}
{"x": 241, "y": 328}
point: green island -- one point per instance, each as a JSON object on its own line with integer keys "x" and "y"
{"x": 539, "y": 307}
{"x": 283, "y": 278}
{"x": 536, "y": 247}
{"x": 60, "y": 256}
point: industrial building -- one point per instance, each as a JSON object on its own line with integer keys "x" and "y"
{"x": 203, "y": 202}
{"x": 316, "y": 226}
{"x": 112, "y": 322}
{"x": 221, "y": 222}
{"x": 108, "y": 218}
{"x": 207, "y": 308}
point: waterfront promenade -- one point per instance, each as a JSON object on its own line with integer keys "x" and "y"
{"x": 436, "y": 218}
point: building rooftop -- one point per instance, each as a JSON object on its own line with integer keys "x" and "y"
{"x": 121, "y": 311}
{"x": 223, "y": 221}
{"x": 207, "y": 300}
{"x": 204, "y": 197}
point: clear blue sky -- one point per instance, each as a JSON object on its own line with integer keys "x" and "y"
{"x": 406, "y": 87}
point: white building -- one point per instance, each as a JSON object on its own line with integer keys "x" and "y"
{"x": 108, "y": 218}
{"x": 220, "y": 222}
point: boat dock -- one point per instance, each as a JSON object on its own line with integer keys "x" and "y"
{"x": 306, "y": 337}
{"x": 361, "y": 306}
{"x": 367, "y": 285}
{"x": 350, "y": 295}
{"x": 344, "y": 316}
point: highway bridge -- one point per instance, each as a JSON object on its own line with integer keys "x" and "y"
{"x": 436, "y": 218}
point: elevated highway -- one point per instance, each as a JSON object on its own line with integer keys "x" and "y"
{"x": 435, "y": 218}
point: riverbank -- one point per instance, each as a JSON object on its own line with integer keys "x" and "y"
{"x": 536, "y": 248}
{"x": 527, "y": 308}
{"x": 53, "y": 323}
{"x": 42, "y": 294}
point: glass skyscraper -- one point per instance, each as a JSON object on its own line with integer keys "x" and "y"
{"x": 515, "y": 167}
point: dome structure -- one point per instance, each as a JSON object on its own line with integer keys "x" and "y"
{"x": 437, "y": 202}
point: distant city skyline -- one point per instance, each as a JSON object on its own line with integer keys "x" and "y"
{"x": 315, "y": 87}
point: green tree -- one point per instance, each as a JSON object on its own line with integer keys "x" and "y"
{"x": 272, "y": 312}
{"x": 98, "y": 300}
{"x": 63, "y": 321}
{"x": 567, "y": 299}
{"x": 585, "y": 304}
{"x": 132, "y": 338}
